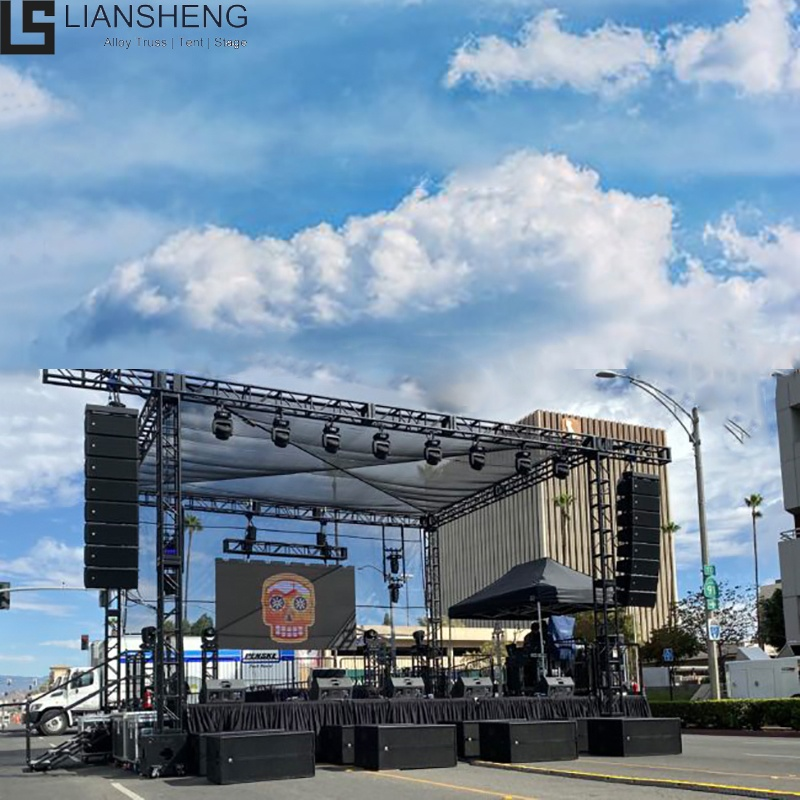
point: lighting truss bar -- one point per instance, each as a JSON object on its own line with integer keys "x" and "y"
{"x": 224, "y": 505}
{"x": 284, "y": 549}
{"x": 243, "y": 397}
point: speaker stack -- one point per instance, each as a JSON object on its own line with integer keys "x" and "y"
{"x": 639, "y": 539}
{"x": 111, "y": 534}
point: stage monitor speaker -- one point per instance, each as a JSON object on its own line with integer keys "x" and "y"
{"x": 112, "y": 497}
{"x": 556, "y": 687}
{"x": 331, "y": 688}
{"x": 472, "y": 687}
{"x": 405, "y": 687}
{"x": 107, "y": 578}
{"x": 224, "y": 691}
{"x": 113, "y": 557}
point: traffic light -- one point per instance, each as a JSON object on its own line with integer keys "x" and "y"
{"x": 85, "y": 641}
{"x": 5, "y": 595}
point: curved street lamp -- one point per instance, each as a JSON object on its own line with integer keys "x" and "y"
{"x": 690, "y": 422}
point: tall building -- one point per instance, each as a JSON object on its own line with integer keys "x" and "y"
{"x": 550, "y": 519}
{"x": 787, "y": 407}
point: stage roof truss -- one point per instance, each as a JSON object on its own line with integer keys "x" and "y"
{"x": 351, "y": 484}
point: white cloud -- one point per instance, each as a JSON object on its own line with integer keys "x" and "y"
{"x": 757, "y": 53}
{"x": 609, "y": 59}
{"x": 16, "y": 659}
{"x": 48, "y": 562}
{"x": 65, "y": 644}
{"x": 23, "y": 101}
{"x": 41, "y": 450}
{"x": 532, "y": 218}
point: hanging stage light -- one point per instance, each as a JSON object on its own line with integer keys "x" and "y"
{"x": 149, "y": 635}
{"x": 381, "y": 445}
{"x": 222, "y": 426}
{"x": 394, "y": 592}
{"x": 477, "y": 456}
{"x": 523, "y": 462}
{"x": 419, "y": 638}
{"x": 561, "y": 468}
{"x": 433, "y": 451}
{"x": 209, "y": 639}
{"x": 394, "y": 561}
{"x": 331, "y": 440}
{"x": 281, "y": 432}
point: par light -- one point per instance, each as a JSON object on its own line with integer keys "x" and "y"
{"x": 433, "y": 451}
{"x": 331, "y": 440}
{"x": 419, "y": 638}
{"x": 561, "y": 468}
{"x": 381, "y": 445}
{"x": 149, "y": 637}
{"x": 477, "y": 456}
{"x": 371, "y": 635}
{"x": 281, "y": 432}
{"x": 209, "y": 638}
{"x": 523, "y": 462}
{"x": 222, "y": 426}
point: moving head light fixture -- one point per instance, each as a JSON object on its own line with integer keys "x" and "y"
{"x": 433, "y": 451}
{"x": 523, "y": 462}
{"x": 381, "y": 446}
{"x": 331, "y": 440}
{"x": 477, "y": 456}
{"x": 222, "y": 425}
{"x": 281, "y": 432}
{"x": 561, "y": 468}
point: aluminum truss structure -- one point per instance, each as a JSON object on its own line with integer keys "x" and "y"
{"x": 163, "y": 393}
{"x": 242, "y": 547}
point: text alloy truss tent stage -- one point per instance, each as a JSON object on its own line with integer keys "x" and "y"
{"x": 221, "y": 446}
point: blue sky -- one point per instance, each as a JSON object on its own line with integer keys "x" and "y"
{"x": 461, "y": 206}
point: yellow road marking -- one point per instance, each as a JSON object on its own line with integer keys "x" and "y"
{"x": 456, "y": 787}
{"x": 693, "y": 769}
{"x": 667, "y": 782}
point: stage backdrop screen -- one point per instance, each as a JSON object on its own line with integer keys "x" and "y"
{"x": 284, "y": 606}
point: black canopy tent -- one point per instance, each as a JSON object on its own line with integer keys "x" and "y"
{"x": 528, "y": 589}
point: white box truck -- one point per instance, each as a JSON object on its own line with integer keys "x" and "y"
{"x": 763, "y": 679}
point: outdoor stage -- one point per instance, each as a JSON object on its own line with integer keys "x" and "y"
{"x": 305, "y": 715}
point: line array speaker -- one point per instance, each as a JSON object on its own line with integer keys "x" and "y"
{"x": 639, "y": 539}
{"x": 111, "y": 533}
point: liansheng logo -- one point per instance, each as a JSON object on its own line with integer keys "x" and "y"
{"x": 33, "y": 21}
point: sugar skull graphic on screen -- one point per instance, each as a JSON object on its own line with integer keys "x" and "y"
{"x": 288, "y": 606}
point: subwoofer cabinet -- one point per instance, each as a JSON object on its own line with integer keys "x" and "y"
{"x": 381, "y": 747}
{"x": 518, "y": 741}
{"x": 634, "y": 736}
{"x": 336, "y": 744}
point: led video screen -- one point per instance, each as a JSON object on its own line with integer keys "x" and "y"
{"x": 285, "y": 606}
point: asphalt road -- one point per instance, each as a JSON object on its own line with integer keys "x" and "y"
{"x": 772, "y": 764}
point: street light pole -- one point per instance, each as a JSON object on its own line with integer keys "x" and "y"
{"x": 693, "y": 433}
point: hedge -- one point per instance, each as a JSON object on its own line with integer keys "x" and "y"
{"x": 732, "y": 714}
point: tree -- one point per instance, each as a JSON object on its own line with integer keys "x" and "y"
{"x": 735, "y": 617}
{"x": 584, "y": 626}
{"x": 387, "y": 618}
{"x": 753, "y": 502}
{"x": 199, "y": 625}
{"x": 192, "y": 525}
{"x": 683, "y": 643}
{"x": 563, "y": 502}
{"x": 773, "y": 629}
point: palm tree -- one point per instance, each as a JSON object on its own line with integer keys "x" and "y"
{"x": 670, "y": 529}
{"x": 563, "y": 502}
{"x": 192, "y": 525}
{"x": 753, "y": 502}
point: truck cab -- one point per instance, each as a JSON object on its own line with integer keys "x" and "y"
{"x": 76, "y": 694}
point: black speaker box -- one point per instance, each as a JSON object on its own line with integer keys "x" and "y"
{"x": 472, "y": 687}
{"x": 639, "y": 567}
{"x": 639, "y": 535}
{"x": 164, "y": 755}
{"x": 111, "y": 421}
{"x": 112, "y": 491}
{"x": 638, "y": 583}
{"x": 639, "y": 483}
{"x": 331, "y": 688}
{"x": 336, "y": 744}
{"x": 468, "y": 739}
{"x": 632, "y": 519}
{"x": 517, "y": 742}
{"x": 381, "y": 747}
{"x": 328, "y": 673}
{"x": 639, "y": 502}
{"x": 199, "y": 744}
{"x": 111, "y": 447}
{"x": 115, "y": 469}
{"x": 634, "y": 736}
{"x": 556, "y": 687}
{"x": 262, "y": 756}
{"x": 633, "y": 551}
{"x": 114, "y": 557}
{"x": 112, "y": 513}
{"x": 106, "y": 578}
{"x": 224, "y": 691}
{"x": 119, "y": 535}
{"x": 405, "y": 687}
